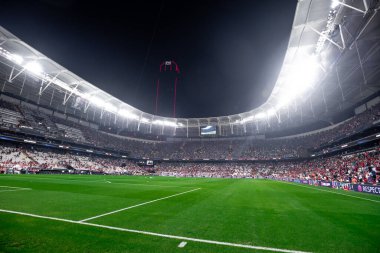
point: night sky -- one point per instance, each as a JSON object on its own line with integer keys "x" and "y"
{"x": 229, "y": 51}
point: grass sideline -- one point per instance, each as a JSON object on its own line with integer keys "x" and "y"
{"x": 262, "y": 213}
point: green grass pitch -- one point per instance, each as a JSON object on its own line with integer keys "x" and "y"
{"x": 72, "y": 213}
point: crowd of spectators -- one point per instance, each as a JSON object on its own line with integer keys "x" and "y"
{"x": 215, "y": 149}
{"x": 355, "y": 168}
{"x": 34, "y": 159}
{"x": 361, "y": 167}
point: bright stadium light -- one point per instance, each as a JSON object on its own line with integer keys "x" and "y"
{"x": 165, "y": 123}
{"x": 97, "y": 101}
{"x": 261, "y": 115}
{"x": 16, "y": 58}
{"x": 86, "y": 96}
{"x": 283, "y": 101}
{"x": 249, "y": 118}
{"x": 170, "y": 123}
{"x": 127, "y": 114}
{"x": 334, "y": 4}
{"x": 34, "y": 67}
{"x": 144, "y": 120}
{"x": 110, "y": 107}
{"x": 302, "y": 75}
{"x": 271, "y": 112}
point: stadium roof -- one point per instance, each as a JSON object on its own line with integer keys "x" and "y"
{"x": 332, "y": 63}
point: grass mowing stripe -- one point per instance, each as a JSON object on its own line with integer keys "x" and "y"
{"x": 314, "y": 188}
{"x": 13, "y": 188}
{"x": 103, "y": 181}
{"x": 156, "y": 234}
{"x": 141, "y": 204}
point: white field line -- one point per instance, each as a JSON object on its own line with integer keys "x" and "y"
{"x": 334, "y": 192}
{"x": 182, "y": 238}
{"x": 13, "y": 187}
{"x": 141, "y": 204}
{"x": 14, "y": 190}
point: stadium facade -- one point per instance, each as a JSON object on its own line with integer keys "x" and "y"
{"x": 331, "y": 66}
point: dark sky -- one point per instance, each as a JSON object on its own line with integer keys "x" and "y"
{"x": 229, "y": 51}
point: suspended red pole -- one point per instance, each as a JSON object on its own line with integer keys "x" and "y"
{"x": 175, "y": 95}
{"x": 157, "y": 91}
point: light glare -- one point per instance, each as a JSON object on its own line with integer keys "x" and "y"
{"x": 110, "y": 107}
{"x": 334, "y": 4}
{"x": 127, "y": 114}
{"x": 17, "y": 58}
{"x": 260, "y": 115}
{"x": 34, "y": 67}
{"x": 97, "y": 101}
{"x": 271, "y": 112}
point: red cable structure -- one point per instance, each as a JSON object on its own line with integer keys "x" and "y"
{"x": 168, "y": 66}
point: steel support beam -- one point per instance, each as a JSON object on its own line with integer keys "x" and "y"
{"x": 327, "y": 38}
{"x": 339, "y": 84}
{"x": 352, "y": 7}
{"x": 66, "y": 98}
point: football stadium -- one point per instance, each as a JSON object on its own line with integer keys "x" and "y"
{"x": 84, "y": 170}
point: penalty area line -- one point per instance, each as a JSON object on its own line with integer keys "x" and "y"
{"x": 141, "y": 204}
{"x": 237, "y": 245}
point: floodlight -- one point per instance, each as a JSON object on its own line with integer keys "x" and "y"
{"x": 16, "y": 58}
{"x": 302, "y": 75}
{"x": 271, "y": 112}
{"x": 132, "y": 116}
{"x": 260, "y": 115}
{"x": 144, "y": 120}
{"x": 169, "y": 123}
{"x": 282, "y": 101}
{"x": 165, "y": 123}
{"x": 249, "y": 118}
{"x": 86, "y": 96}
{"x": 110, "y": 107}
{"x": 158, "y": 122}
{"x": 122, "y": 112}
{"x": 127, "y": 114}
{"x": 334, "y": 4}
{"x": 97, "y": 101}
{"x": 34, "y": 67}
